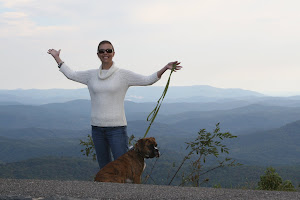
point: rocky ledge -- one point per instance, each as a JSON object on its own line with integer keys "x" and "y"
{"x": 73, "y": 190}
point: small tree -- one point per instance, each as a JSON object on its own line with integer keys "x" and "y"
{"x": 287, "y": 186}
{"x": 272, "y": 181}
{"x": 89, "y": 147}
{"x": 205, "y": 145}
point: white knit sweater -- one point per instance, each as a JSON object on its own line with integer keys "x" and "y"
{"x": 107, "y": 90}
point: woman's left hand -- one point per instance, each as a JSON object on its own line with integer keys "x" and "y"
{"x": 170, "y": 66}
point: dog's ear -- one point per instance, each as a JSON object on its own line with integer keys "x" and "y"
{"x": 152, "y": 140}
{"x": 139, "y": 145}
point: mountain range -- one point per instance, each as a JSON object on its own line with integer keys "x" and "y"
{"x": 75, "y": 115}
{"x": 268, "y": 128}
{"x": 136, "y": 94}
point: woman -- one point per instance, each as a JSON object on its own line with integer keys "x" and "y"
{"x": 108, "y": 86}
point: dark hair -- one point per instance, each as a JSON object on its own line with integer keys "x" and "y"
{"x": 105, "y": 42}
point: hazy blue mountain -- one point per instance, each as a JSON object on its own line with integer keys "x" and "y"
{"x": 12, "y": 150}
{"x": 36, "y": 96}
{"x": 75, "y": 115}
{"x": 239, "y": 121}
{"x": 32, "y": 134}
{"x": 51, "y": 168}
{"x": 186, "y": 98}
{"x": 54, "y": 129}
{"x": 137, "y": 94}
{"x": 175, "y": 108}
{"x": 187, "y": 93}
{"x": 6, "y": 103}
{"x": 274, "y": 147}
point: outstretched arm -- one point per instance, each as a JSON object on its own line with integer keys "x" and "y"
{"x": 78, "y": 76}
{"x": 168, "y": 66}
{"x": 55, "y": 55}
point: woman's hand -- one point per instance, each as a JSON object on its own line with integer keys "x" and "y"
{"x": 53, "y": 52}
{"x": 170, "y": 66}
{"x": 55, "y": 55}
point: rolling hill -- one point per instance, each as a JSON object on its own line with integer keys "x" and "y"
{"x": 75, "y": 115}
{"x": 267, "y": 127}
{"x": 137, "y": 94}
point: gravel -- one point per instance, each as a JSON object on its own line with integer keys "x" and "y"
{"x": 24, "y": 189}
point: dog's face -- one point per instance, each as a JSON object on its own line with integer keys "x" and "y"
{"x": 147, "y": 147}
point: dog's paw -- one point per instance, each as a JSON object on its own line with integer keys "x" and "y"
{"x": 128, "y": 180}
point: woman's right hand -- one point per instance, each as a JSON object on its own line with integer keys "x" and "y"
{"x": 55, "y": 55}
{"x": 54, "y": 52}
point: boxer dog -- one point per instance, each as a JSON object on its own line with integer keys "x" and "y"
{"x": 129, "y": 167}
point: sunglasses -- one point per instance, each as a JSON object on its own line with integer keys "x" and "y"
{"x": 101, "y": 51}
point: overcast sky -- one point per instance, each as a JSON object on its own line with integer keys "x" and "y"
{"x": 248, "y": 44}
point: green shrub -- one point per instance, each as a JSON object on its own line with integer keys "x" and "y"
{"x": 272, "y": 181}
{"x": 287, "y": 186}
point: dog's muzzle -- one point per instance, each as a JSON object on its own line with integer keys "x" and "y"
{"x": 156, "y": 152}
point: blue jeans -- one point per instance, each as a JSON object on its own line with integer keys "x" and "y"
{"x": 109, "y": 140}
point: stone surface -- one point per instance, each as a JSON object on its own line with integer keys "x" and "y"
{"x": 74, "y": 190}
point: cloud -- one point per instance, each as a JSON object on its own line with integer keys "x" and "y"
{"x": 213, "y": 38}
{"x": 14, "y": 23}
{"x": 13, "y": 3}
{"x": 13, "y": 15}
{"x": 19, "y": 24}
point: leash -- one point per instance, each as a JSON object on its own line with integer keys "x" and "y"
{"x": 151, "y": 117}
